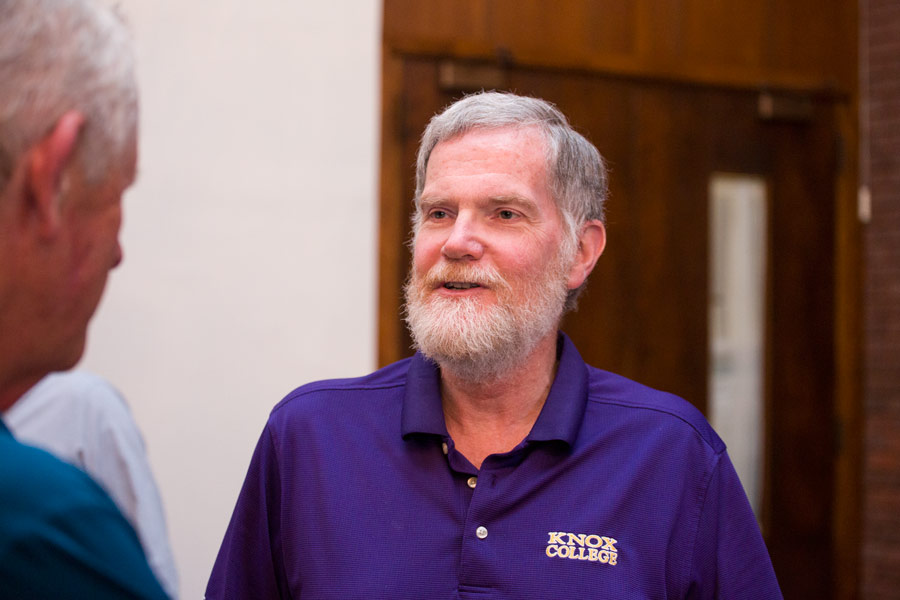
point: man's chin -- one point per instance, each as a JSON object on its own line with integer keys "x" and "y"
{"x": 479, "y": 300}
{"x": 71, "y": 353}
{"x": 470, "y": 354}
{"x": 471, "y": 368}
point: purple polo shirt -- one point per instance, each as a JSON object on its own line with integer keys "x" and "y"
{"x": 355, "y": 490}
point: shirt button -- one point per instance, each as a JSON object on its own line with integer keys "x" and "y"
{"x": 444, "y": 447}
{"x": 472, "y": 482}
{"x": 481, "y": 532}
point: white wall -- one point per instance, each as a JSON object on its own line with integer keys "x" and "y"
{"x": 250, "y": 237}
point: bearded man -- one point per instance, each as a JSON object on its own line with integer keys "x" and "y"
{"x": 494, "y": 463}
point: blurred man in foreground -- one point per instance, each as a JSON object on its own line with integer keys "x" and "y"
{"x": 494, "y": 463}
{"x": 68, "y": 151}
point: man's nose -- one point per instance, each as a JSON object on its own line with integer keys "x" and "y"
{"x": 465, "y": 240}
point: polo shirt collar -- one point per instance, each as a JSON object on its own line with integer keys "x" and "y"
{"x": 560, "y": 419}
{"x": 422, "y": 411}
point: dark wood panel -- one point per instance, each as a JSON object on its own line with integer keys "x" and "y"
{"x": 801, "y": 416}
{"x": 724, "y": 33}
{"x": 802, "y": 44}
{"x": 395, "y": 172}
{"x": 407, "y": 113}
{"x": 848, "y": 490}
{"x": 577, "y": 28}
{"x": 644, "y": 314}
{"x": 452, "y": 25}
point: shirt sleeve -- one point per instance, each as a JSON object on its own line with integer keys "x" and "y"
{"x": 115, "y": 456}
{"x": 250, "y": 562}
{"x": 730, "y": 560}
{"x": 72, "y": 542}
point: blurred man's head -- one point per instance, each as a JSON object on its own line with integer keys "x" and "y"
{"x": 68, "y": 150}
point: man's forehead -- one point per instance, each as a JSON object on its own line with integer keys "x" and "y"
{"x": 513, "y": 135}
{"x": 484, "y": 149}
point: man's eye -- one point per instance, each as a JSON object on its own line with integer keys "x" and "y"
{"x": 507, "y": 214}
{"x": 437, "y": 214}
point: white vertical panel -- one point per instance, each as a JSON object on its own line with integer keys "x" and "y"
{"x": 738, "y": 252}
{"x": 250, "y": 237}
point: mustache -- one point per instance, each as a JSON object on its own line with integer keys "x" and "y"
{"x": 483, "y": 275}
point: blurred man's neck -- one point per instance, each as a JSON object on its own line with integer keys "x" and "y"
{"x": 12, "y": 391}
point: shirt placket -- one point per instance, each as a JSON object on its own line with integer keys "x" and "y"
{"x": 478, "y": 552}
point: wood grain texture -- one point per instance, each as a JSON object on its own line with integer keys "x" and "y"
{"x": 802, "y": 44}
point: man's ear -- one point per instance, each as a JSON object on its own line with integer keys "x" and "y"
{"x": 591, "y": 242}
{"x": 48, "y": 161}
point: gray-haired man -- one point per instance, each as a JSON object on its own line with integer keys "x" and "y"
{"x": 494, "y": 463}
{"x": 68, "y": 151}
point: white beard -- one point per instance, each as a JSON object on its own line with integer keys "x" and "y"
{"x": 479, "y": 341}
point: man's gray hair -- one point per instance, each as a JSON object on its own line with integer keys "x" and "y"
{"x": 575, "y": 168}
{"x": 62, "y": 55}
{"x": 576, "y": 171}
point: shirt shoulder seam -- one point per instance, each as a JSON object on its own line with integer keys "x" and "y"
{"x": 631, "y": 404}
{"x": 716, "y": 461}
{"x": 319, "y": 387}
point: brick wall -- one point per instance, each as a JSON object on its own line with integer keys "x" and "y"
{"x": 880, "y": 56}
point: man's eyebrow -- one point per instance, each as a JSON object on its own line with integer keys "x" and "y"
{"x": 491, "y": 202}
{"x": 429, "y": 201}
{"x": 515, "y": 200}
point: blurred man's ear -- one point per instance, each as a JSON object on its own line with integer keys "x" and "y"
{"x": 591, "y": 242}
{"x": 47, "y": 162}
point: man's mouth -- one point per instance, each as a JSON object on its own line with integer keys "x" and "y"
{"x": 460, "y": 285}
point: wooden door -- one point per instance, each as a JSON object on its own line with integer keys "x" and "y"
{"x": 644, "y": 314}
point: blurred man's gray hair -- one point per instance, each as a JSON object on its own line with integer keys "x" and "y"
{"x": 62, "y": 55}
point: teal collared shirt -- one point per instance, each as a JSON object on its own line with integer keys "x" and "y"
{"x": 61, "y": 536}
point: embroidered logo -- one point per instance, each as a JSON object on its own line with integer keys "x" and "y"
{"x": 579, "y": 546}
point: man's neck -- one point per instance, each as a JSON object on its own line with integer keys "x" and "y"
{"x": 491, "y": 417}
{"x": 13, "y": 391}
{"x": 15, "y": 379}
